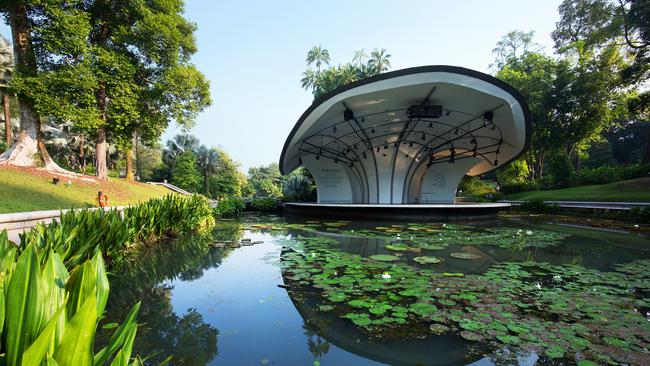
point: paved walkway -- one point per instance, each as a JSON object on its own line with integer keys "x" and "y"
{"x": 590, "y": 205}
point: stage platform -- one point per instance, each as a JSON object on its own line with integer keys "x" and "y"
{"x": 462, "y": 211}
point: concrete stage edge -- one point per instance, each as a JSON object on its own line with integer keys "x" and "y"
{"x": 417, "y": 212}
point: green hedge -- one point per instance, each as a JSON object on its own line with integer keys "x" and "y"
{"x": 265, "y": 204}
{"x": 608, "y": 174}
{"x": 230, "y": 207}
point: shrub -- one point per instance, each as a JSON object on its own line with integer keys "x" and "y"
{"x": 77, "y": 235}
{"x": 52, "y": 314}
{"x": 520, "y": 187}
{"x": 230, "y": 207}
{"x": 608, "y": 174}
{"x": 265, "y": 204}
{"x": 475, "y": 187}
{"x": 561, "y": 169}
{"x": 536, "y": 205}
{"x": 3, "y": 147}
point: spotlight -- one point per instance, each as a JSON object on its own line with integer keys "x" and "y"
{"x": 348, "y": 115}
{"x": 378, "y": 148}
{"x": 336, "y": 161}
{"x": 473, "y": 141}
{"x": 364, "y": 155}
{"x": 385, "y": 147}
{"x": 447, "y": 112}
{"x": 300, "y": 161}
{"x": 430, "y": 124}
{"x": 411, "y": 144}
{"x": 496, "y": 162}
{"x": 474, "y": 151}
{"x": 488, "y": 116}
{"x": 456, "y": 132}
{"x": 498, "y": 150}
{"x": 334, "y": 129}
{"x": 317, "y": 157}
{"x": 424, "y": 137}
{"x": 372, "y": 130}
{"x": 356, "y": 147}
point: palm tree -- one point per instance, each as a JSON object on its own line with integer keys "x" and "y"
{"x": 178, "y": 145}
{"x": 379, "y": 61}
{"x": 6, "y": 69}
{"x": 208, "y": 161}
{"x": 318, "y": 55}
{"x": 308, "y": 80}
{"x": 360, "y": 57}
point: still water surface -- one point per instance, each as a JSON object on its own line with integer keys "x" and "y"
{"x": 206, "y": 305}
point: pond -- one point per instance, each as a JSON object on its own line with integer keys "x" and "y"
{"x": 305, "y": 292}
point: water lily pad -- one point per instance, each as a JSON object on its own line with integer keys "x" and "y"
{"x": 397, "y": 247}
{"x": 555, "y": 351}
{"x": 448, "y": 274}
{"x": 427, "y": 260}
{"x": 384, "y": 257}
{"x": 465, "y": 255}
{"x": 471, "y": 336}
{"x": 439, "y": 328}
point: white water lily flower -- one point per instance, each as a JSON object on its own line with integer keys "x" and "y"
{"x": 636, "y": 226}
{"x": 528, "y": 232}
{"x": 539, "y": 286}
{"x": 557, "y": 278}
{"x": 386, "y": 275}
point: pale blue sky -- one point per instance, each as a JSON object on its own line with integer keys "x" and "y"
{"x": 253, "y": 53}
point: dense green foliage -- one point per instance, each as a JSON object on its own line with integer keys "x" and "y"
{"x": 230, "y": 207}
{"x": 362, "y": 66}
{"x": 588, "y": 104}
{"x": 185, "y": 173}
{"x": 77, "y": 235}
{"x": 265, "y": 204}
{"x": 114, "y": 69}
{"x": 49, "y": 315}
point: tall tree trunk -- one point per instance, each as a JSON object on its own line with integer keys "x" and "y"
{"x": 129, "y": 164}
{"x": 206, "y": 184}
{"x": 29, "y": 149}
{"x": 5, "y": 106}
{"x": 138, "y": 170}
{"x": 101, "y": 170}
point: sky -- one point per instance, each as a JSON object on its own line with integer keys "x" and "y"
{"x": 253, "y": 53}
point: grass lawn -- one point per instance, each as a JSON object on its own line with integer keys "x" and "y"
{"x": 32, "y": 189}
{"x": 633, "y": 190}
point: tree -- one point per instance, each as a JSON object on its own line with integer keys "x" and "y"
{"x": 208, "y": 163}
{"x": 379, "y": 61}
{"x": 322, "y": 81}
{"x": 599, "y": 28}
{"x": 185, "y": 173}
{"x": 29, "y": 149}
{"x": 265, "y": 181}
{"x": 319, "y": 56}
{"x": 6, "y": 69}
{"x": 227, "y": 180}
{"x": 514, "y": 45}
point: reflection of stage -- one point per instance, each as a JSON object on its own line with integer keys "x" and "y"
{"x": 420, "y": 212}
{"x": 433, "y": 350}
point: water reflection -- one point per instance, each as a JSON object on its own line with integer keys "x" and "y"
{"x": 221, "y": 306}
{"x": 148, "y": 278}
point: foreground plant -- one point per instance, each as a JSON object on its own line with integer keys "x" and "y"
{"x": 49, "y": 316}
{"x": 79, "y": 234}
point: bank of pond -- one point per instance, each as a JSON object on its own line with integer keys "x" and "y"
{"x": 267, "y": 289}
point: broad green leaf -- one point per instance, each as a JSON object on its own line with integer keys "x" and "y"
{"x": 23, "y": 307}
{"x": 36, "y": 352}
{"x": 81, "y": 284}
{"x": 102, "y": 282}
{"x": 119, "y": 338}
{"x": 76, "y": 344}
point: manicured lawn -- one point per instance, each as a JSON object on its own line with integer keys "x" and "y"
{"x": 634, "y": 190}
{"x": 30, "y": 189}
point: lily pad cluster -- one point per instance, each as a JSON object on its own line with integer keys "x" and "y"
{"x": 414, "y": 237}
{"x": 564, "y": 312}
